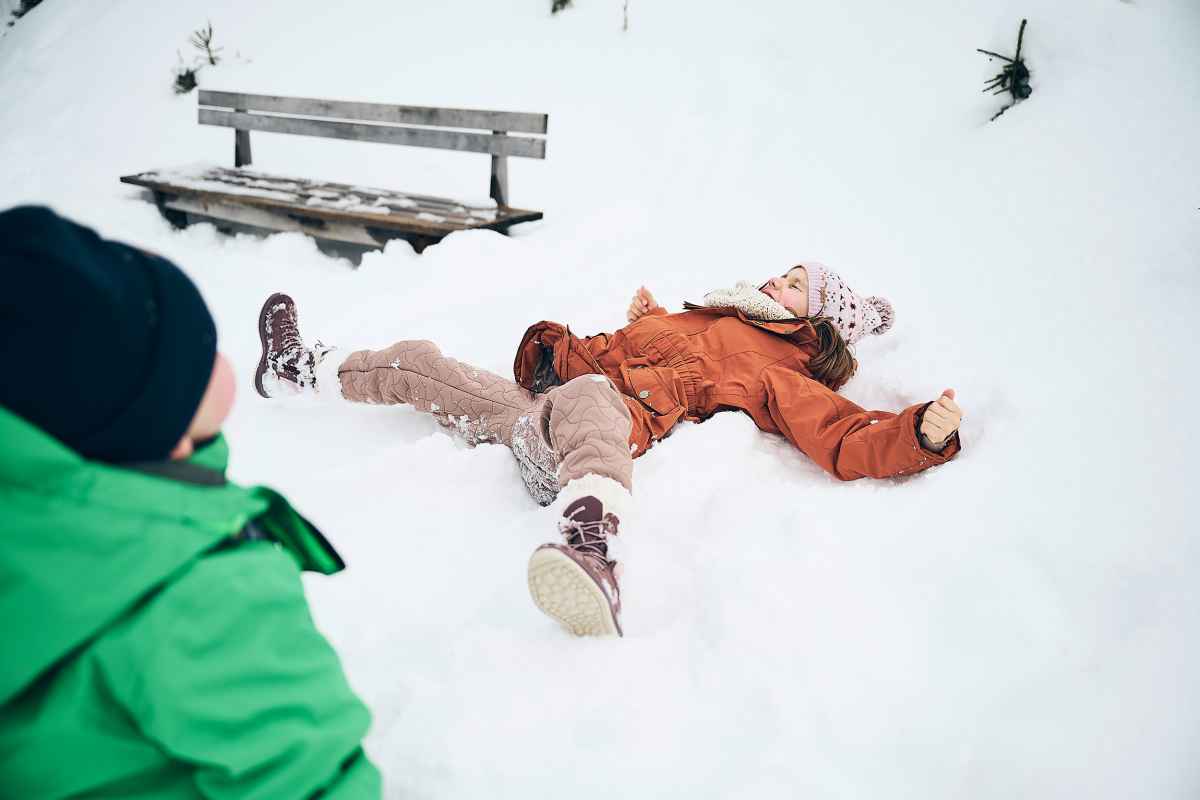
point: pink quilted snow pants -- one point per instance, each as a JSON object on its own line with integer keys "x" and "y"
{"x": 579, "y": 428}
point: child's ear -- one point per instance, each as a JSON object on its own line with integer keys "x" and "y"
{"x": 183, "y": 450}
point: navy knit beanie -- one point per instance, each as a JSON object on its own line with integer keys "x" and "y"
{"x": 105, "y": 347}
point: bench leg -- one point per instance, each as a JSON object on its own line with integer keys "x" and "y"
{"x": 178, "y": 219}
{"x": 241, "y": 147}
{"x": 498, "y": 185}
{"x": 419, "y": 243}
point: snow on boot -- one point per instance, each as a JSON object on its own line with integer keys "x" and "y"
{"x": 576, "y": 583}
{"x": 286, "y": 364}
{"x": 536, "y": 461}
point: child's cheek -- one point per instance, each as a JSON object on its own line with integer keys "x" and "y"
{"x": 217, "y": 402}
{"x": 225, "y": 389}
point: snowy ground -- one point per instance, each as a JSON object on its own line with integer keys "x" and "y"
{"x": 7, "y": 8}
{"x": 1023, "y": 622}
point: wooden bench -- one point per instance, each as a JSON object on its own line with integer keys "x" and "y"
{"x": 339, "y": 213}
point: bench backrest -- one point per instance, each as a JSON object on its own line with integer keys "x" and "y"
{"x": 414, "y": 126}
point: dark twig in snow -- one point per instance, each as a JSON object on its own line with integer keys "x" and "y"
{"x": 1013, "y": 78}
{"x": 185, "y": 76}
{"x": 202, "y": 40}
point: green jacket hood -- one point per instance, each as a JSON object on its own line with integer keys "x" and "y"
{"x": 81, "y": 543}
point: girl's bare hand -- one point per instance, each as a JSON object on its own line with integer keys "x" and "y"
{"x": 643, "y": 303}
{"x": 940, "y": 420}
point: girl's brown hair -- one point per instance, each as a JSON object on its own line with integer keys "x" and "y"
{"x": 833, "y": 364}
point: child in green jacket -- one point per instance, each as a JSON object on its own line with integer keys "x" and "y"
{"x": 157, "y": 640}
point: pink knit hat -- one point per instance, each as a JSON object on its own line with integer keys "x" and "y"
{"x": 855, "y": 317}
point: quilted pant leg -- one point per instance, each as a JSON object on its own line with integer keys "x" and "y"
{"x": 580, "y": 428}
{"x": 577, "y": 581}
{"x": 589, "y": 425}
{"x": 480, "y": 405}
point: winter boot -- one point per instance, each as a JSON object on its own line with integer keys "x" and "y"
{"x": 536, "y": 460}
{"x": 576, "y": 583}
{"x": 286, "y": 364}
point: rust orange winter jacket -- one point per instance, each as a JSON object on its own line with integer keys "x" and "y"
{"x": 693, "y": 364}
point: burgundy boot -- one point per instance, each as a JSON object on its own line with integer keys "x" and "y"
{"x": 285, "y": 361}
{"x": 576, "y": 583}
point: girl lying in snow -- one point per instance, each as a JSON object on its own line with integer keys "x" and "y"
{"x": 582, "y": 409}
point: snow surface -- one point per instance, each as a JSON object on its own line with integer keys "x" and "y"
{"x": 1022, "y": 622}
{"x": 7, "y": 9}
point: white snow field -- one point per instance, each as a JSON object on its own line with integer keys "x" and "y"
{"x": 1022, "y": 622}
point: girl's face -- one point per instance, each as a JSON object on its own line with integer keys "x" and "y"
{"x": 789, "y": 290}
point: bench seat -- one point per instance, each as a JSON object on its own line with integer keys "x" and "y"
{"x": 335, "y": 211}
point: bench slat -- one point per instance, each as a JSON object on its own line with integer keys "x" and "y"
{"x": 379, "y": 112}
{"x": 328, "y": 196}
{"x": 251, "y": 181}
{"x": 217, "y": 208}
{"x": 416, "y": 137}
{"x": 290, "y": 198}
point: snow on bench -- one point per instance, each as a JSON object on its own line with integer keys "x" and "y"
{"x": 336, "y": 212}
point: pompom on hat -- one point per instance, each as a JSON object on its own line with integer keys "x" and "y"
{"x": 854, "y": 316}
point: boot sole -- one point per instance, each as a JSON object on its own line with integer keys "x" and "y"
{"x": 564, "y": 591}
{"x": 262, "y": 340}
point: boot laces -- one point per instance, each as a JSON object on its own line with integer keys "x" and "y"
{"x": 291, "y": 358}
{"x": 320, "y": 350}
{"x": 284, "y": 325}
{"x": 589, "y": 538}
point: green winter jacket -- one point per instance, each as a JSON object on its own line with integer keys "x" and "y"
{"x": 154, "y": 644}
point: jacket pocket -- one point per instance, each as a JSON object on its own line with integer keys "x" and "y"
{"x": 658, "y": 390}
